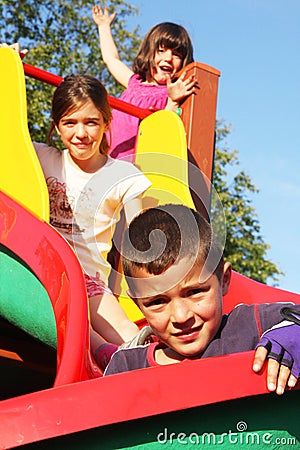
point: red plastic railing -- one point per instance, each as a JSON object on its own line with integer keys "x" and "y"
{"x": 55, "y": 80}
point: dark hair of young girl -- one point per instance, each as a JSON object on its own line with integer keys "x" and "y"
{"x": 168, "y": 35}
{"x": 73, "y": 92}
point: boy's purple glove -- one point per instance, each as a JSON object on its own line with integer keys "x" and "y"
{"x": 290, "y": 313}
{"x": 283, "y": 345}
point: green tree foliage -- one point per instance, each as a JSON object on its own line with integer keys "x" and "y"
{"x": 63, "y": 39}
{"x": 245, "y": 247}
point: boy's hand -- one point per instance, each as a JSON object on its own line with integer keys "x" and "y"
{"x": 281, "y": 346}
{"x": 17, "y": 49}
{"x": 102, "y": 17}
{"x": 278, "y": 376}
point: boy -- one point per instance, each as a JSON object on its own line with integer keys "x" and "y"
{"x": 177, "y": 276}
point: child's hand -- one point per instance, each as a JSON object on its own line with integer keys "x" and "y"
{"x": 102, "y": 17}
{"x": 181, "y": 88}
{"x": 16, "y": 47}
{"x": 278, "y": 377}
{"x": 281, "y": 346}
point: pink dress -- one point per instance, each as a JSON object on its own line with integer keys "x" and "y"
{"x": 124, "y": 127}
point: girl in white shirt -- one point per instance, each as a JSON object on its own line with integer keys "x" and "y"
{"x": 87, "y": 190}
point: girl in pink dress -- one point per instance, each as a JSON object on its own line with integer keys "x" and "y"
{"x": 152, "y": 82}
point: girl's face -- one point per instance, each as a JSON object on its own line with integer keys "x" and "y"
{"x": 167, "y": 63}
{"x": 81, "y": 131}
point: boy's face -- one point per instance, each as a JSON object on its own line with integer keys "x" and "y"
{"x": 186, "y": 317}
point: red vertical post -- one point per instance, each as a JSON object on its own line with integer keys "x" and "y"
{"x": 199, "y": 119}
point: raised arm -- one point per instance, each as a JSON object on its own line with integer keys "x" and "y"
{"x": 108, "y": 48}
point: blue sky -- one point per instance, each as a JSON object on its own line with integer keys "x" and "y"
{"x": 256, "y": 46}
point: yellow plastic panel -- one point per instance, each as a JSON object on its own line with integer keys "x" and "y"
{"x": 21, "y": 176}
{"x": 161, "y": 155}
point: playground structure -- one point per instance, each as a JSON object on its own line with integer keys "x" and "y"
{"x": 53, "y": 393}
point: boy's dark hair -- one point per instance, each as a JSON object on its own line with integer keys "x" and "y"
{"x": 160, "y": 236}
{"x": 166, "y": 34}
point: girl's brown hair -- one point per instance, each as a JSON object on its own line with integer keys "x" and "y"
{"x": 72, "y": 93}
{"x": 166, "y": 34}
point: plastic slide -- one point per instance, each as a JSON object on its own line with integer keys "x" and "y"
{"x": 45, "y": 255}
{"x": 21, "y": 176}
{"x": 42, "y": 290}
{"x": 219, "y": 399}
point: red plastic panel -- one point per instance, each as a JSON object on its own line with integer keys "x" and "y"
{"x": 117, "y": 398}
{"x": 53, "y": 261}
{"x": 244, "y": 290}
